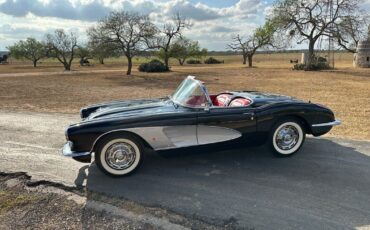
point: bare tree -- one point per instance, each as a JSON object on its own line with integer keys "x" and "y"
{"x": 30, "y": 49}
{"x": 84, "y": 53}
{"x": 184, "y": 48}
{"x": 62, "y": 46}
{"x": 101, "y": 51}
{"x": 262, "y": 37}
{"x": 125, "y": 30}
{"x": 240, "y": 46}
{"x": 170, "y": 31}
{"x": 308, "y": 20}
{"x": 349, "y": 31}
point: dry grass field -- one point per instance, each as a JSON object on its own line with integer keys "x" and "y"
{"x": 345, "y": 90}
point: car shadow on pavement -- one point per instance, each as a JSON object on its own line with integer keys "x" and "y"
{"x": 326, "y": 185}
{"x": 81, "y": 177}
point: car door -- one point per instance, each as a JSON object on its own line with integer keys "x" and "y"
{"x": 219, "y": 124}
{"x": 170, "y": 130}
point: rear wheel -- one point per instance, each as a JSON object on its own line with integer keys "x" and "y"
{"x": 119, "y": 155}
{"x": 287, "y": 137}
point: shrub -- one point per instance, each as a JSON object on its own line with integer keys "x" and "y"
{"x": 299, "y": 67}
{"x": 193, "y": 61}
{"x": 212, "y": 60}
{"x": 321, "y": 59}
{"x": 153, "y": 66}
{"x": 320, "y": 66}
{"x": 317, "y": 66}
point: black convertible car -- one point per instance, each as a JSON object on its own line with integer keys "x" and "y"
{"x": 119, "y": 132}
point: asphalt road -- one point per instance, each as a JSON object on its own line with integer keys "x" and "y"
{"x": 325, "y": 186}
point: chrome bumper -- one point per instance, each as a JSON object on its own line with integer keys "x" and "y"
{"x": 67, "y": 151}
{"x": 333, "y": 123}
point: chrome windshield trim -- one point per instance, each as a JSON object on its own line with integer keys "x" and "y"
{"x": 333, "y": 123}
{"x": 204, "y": 90}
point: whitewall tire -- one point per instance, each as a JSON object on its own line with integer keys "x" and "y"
{"x": 118, "y": 156}
{"x": 287, "y": 137}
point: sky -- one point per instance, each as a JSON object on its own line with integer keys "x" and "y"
{"x": 214, "y": 21}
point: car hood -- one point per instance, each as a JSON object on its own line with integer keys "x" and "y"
{"x": 131, "y": 108}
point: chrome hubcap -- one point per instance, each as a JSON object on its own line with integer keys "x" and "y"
{"x": 120, "y": 156}
{"x": 287, "y": 137}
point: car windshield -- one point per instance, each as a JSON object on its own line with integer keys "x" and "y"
{"x": 190, "y": 94}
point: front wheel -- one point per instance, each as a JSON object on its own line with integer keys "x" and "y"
{"x": 287, "y": 137}
{"x": 118, "y": 155}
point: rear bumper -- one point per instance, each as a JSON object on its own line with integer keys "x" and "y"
{"x": 67, "y": 151}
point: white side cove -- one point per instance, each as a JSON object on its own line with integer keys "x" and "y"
{"x": 168, "y": 137}
{"x": 214, "y": 134}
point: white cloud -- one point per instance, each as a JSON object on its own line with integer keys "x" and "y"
{"x": 13, "y": 29}
{"x": 35, "y": 18}
{"x": 199, "y": 12}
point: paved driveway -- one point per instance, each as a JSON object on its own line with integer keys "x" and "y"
{"x": 325, "y": 186}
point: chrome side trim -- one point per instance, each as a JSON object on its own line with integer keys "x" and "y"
{"x": 162, "y": 137}
{"x": 333, "y": 123}
{"x": 67, "y": 151}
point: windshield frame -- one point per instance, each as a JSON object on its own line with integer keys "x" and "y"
{"x": 202, "y": 88}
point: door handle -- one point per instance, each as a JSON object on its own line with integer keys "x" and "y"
{"x": 251, "y": 115}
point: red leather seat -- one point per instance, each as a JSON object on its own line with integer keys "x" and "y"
{"x": 240, "y": 102}
{"x": 222, "y": 99}
{"x": 197, "y": 101}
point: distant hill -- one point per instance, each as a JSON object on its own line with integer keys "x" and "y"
{"x": 223, "y": 53}
{"x": 229, "y": 52}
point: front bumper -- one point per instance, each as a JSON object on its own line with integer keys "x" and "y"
{"x": 67, "y": 151}
{"x": 333, "y": 123}
{"x": 322, "y": 128}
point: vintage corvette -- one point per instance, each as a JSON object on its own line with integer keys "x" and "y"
{"x": 119, "y": 132}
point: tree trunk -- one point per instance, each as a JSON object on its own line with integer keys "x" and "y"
{"x": 310, "y": 57}
{"x": 244, "y": 59}
{"x": 101, "y": 60}
{"x": 34, "y": 63}
{"x": 129, "y": 66}
{"x": 69, "y": 63}
{"x": 181, "y": 61}
{"x": 166, "y": 59}
{"x": 250, "y": 61}
{"x": 67, "y": 67}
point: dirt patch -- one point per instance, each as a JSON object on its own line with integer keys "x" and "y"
{"x": 345, "y": 90}
{"x": 44, "y": 205}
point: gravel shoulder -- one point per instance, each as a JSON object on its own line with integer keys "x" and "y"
{"x": 28, "y": 204}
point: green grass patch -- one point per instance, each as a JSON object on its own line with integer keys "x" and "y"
{"x": 10, "y": 200}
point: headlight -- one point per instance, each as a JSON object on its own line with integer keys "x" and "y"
{"x": 82, "y": 113}
{"x": 66, "y": 134}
